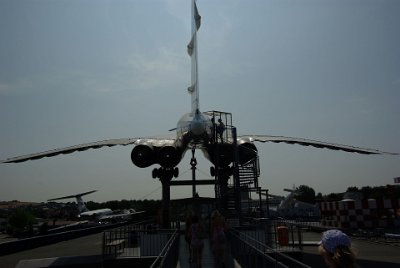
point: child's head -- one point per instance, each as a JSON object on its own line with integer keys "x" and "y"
{"x": 335, "y": 249}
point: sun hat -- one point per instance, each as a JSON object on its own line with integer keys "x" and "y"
{"x": 334, "y": 238}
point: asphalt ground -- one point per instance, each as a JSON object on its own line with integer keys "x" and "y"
{"x": 6, "y": 238}
{"x": 369, "y": 254}
{"x": 83, "y": 246}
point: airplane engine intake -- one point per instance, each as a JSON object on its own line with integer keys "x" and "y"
{"x": 168, "y": 156}
{"x": 247, "y": 151}
{"x": 220, "y": 154}
{"x": 143, "y": 155}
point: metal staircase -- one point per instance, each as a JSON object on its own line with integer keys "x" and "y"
{"x": 249, "y": 173}
{"x": 236, "y": 183}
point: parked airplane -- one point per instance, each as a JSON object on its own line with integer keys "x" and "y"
{"x": 125, "y": 214}
{"x": 99, "y": 214}
{"x": 194, "y": 130}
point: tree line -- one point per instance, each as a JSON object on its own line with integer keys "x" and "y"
{"x": 307, "y": 194}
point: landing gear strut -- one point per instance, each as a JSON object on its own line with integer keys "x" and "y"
{"x": 165, "y": 175}
{"x": 161, "y": 172}
{"x": 193, "y": 163}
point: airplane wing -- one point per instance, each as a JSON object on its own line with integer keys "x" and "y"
{"x": 71, "y": 196}
{"x": 100, "y": 211}
{"x": 93, "y": 145}
{"x": 317, "y": 144}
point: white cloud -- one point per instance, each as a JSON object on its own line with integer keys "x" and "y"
{"x": 5, "y": 88}
{"x": 179, "y": 9}
{"x": 160, "y": 70}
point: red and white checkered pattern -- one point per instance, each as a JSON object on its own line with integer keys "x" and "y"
{"x": 370, "y": 213}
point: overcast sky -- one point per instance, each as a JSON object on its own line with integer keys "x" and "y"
{"x": 73, "y": 72}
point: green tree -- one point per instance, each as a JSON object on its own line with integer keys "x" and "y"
{"x": 353, "y": 189}
{"x": 366, "y": 191}
{"x": 334, "y": 196}
{"x": 377, "y": 193}
{"x": 305, "y": 194}
{"x": 21, "y": 218}
{"x": 20, "y": 222}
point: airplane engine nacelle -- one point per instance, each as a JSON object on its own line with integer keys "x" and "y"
{"x": 220, "y": 154}
{"x": 168, "y": 156}
{"x": 224, "y": 154}
{"x": 143, "y": 155}
{"x": 247, "y": 151}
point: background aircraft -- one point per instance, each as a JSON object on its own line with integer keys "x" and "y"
{"x": 98, "y": 214}
{"x": 261, "y": 123}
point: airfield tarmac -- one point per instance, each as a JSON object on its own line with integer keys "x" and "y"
{"x": 368, "y": 254}
{"x": 6, "y": 238}
{"x": 83, "y": 246}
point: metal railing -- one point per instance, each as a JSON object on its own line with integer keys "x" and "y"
{"x": 135, "y": 242}
{"x": 168, "y": 256}
{"x": 250, "y": 252}
{"x": 47, "y": 239}
{"x": 141, "y": 243}
{"x": 268, "y": 231}
{"x": 267, "y": 242}
{"x": 117, "y": 241}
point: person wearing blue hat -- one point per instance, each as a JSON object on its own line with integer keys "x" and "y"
{"x": 335, "y": 248}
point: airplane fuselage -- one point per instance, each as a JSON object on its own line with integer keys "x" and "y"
{"x": 98, "y": 213}
{"x": 194, "y": 128}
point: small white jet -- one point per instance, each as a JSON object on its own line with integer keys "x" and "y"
{"x": 125, "y": 214}
{"x": 98, "y": 214}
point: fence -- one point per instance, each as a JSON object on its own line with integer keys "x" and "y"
{"x": 168, "y": 257}
{"x": 268, "y": 243}
{"x": 38, "y": 241}
{"x": 139, "y": 244}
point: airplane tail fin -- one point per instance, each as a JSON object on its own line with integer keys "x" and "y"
{"x": 81, "y": 205}
{"x": 192, "y": 51}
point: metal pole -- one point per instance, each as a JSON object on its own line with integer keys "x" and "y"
{"x": 193, "y": 162}
{"x": 166, "y": 197}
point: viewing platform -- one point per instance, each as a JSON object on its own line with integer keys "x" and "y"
{"x": 208, "y": 257}
{"x": 150, "y": 247}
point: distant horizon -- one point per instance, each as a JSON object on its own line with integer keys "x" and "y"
{"x": 74, "y": 201}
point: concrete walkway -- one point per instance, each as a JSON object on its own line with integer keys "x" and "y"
{"x": 208, "y": 257}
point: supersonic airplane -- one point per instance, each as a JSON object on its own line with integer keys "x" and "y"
{"x": 194, "y": 130}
